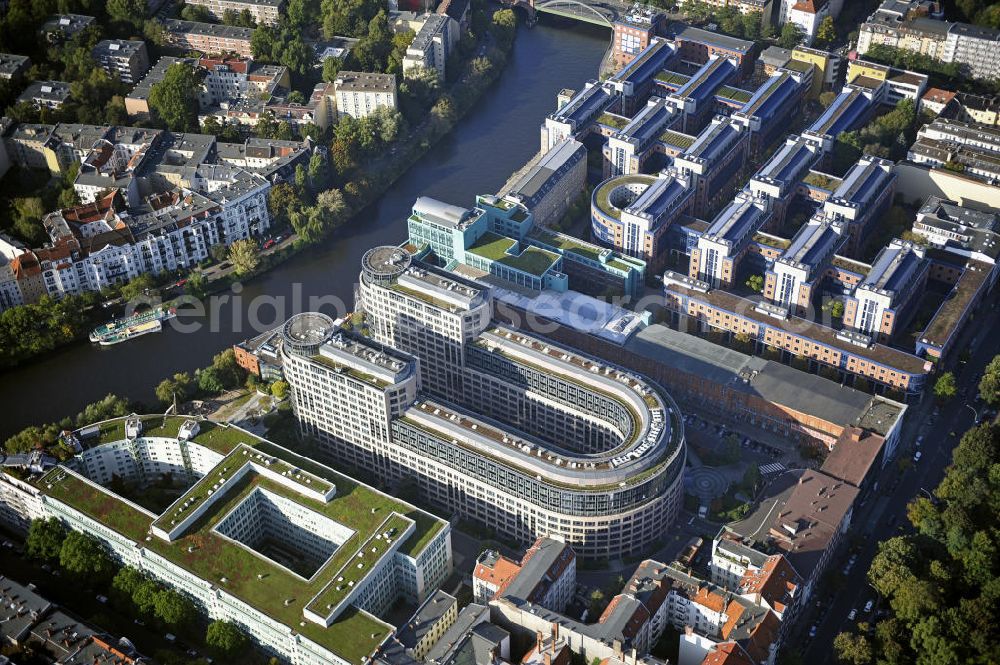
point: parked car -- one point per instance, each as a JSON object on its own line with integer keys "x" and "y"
{"x": 869, "y": 605}
{"x": 102, "y": 599}
{"x": 920, "y": 440}
{"x": 852, "y": 615}
{"x": 916, "y": 456}
{"x": 812, "y": 630}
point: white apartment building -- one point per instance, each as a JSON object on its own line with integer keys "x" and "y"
{"x": 359, "y": 94}
{"x": 313, "y": 596}
{"x": 126, "y": 59}
{"x": 434, "y": 42}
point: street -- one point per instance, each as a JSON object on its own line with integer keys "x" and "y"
{"x": 883, "y": 516}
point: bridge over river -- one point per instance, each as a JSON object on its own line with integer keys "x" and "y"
{"x": 598, "y": 12}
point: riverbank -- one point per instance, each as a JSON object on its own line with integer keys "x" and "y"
{"x": 479, "y": 72}
{"x": 496, "y": 137}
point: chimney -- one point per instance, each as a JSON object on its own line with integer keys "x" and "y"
{"x": 555, "y": 630}
{"x": 538, "y": 640}
{"x": 547, "y": 658}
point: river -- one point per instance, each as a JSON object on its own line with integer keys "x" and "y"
{"x": 497, "y": 137}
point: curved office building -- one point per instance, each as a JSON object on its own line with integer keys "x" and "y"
{"x": 506, "y": 429}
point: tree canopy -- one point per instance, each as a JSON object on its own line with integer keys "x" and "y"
{"x": 225, "y": 638}
{"x": 942, "y": 583}
{"x": 174, "y": 99}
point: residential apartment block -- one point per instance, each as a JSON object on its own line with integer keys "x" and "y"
{"x": 209, "y": 38}
{"x": 13, "y": 66}
{"x": 306, "y": 602}
{"x": 45, "y": 94}
{"x": 264, "y": 12}
{"x": 908, "y": 26}
{"x": 434, "y": 42}
{"x": 125, "y": 59}
{"x": 65, "y": 26}
{"x": 359, "y": 94}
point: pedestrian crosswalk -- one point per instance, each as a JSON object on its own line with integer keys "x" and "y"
{"x": 771, "y": 469}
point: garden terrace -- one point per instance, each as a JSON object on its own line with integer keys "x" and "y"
{"x": 613, "y": 120}
{"x": 269, "y": 587}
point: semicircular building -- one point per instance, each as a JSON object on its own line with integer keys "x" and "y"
{"x": 507, "y": 429}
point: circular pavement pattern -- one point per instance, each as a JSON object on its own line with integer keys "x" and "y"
{"x": 706, "y": 483}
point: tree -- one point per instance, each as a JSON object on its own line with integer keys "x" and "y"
{"x": 174, "y": 99}
{"x": 504, "y": 26}
{"x": 45, "y": 538}
{"x": 596, "y": 600}
{"x": 28, "y": 213}
{"x": 791, "y": 36}
{"x": 854, "y": 649}
{"x": 179, "y": 386}
{"x": 826, "y": 33}
{"x": 127, "y": 581}
{"x": 209, "y": 381}
{"x": 137, "y": 286}
{"x": 751, "y": 478}
{"x": 132, "y": 12}
{"x": 196, "y": 13}
{"x": 244, "y": 256}
{"x": 225, "y": 639}
{"x": 174, "y": 608}
{"x": 279, "y": 389}
{"x": 755, "y": 283}
{"x": 144, "y": 596}
{"x": 989, "y": 384}
{"x": 945, "y": 388}
{"x": 85, "y": 555}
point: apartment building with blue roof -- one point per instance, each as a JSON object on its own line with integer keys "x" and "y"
{"x": 884, "y": 300}
{"x": 695, "y": 99}
{"x": 864, "y": 193}
{"x": 577, "y": 115}
{"x": 793, "y": 279}
{"x": 628, "y": 151}
{"x": 712, "y": 162}
{"x": 770, "y": 109}
{"x": 723, "y": 245}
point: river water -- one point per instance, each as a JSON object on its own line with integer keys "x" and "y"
{"x": 497, "y": 137}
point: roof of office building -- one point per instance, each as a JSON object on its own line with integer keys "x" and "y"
{"x": 587, "y": 103}
{"x": 864, "y": 181}
{"x": 648, "y": 123}
{"x": 541, "y": 566}
{"x": 894, "y": 269}
{"x": 771, "y": 381}
{"x": 545, "y": 174}
{"x": 771, "y": 95}
{"x": 816, "y": 241}
{"x": 365, "y": 82}
{"x": 647, "y": 63}
{"x": 712, "y": 140}
{"x": 791, "y": 162}
{"x": 659, "y": 198}
{"x": 847, "y": 109}
{"x": 445, "y": 214}
{"x": 799, "y": 327}
{"x": 703, "y": 84}
{"x": 735, "y": 222}
{"x": 252, "y": 464}
{"x": 684, "y": 32}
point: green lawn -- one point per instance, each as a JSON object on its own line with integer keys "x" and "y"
{"x": 492, "y": 246}
{"x": 612, "y": 120}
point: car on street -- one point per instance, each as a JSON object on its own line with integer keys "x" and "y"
{"x": 920, "y": 440}
{"x": 852, "y": 615}
{"x": 812, "y": 630}
{"x": 916, "y": 456}
{"x": 869, "y": 605}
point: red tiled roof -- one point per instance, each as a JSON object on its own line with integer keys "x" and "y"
{"x": 727, "y": 653}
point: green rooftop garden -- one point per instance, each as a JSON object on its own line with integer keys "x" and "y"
{"x": 736, "y": 94}
{"x": 612, "y": 120}
{"x": 567, "y": 243}
{"x": 248, "y": 575}
{"x": 672, "y": 78}
{"x": 821, "y": 180}
{"x": 771, "y": 241}
{"x": 603, "y": 193}
{"x": 492, "y": 246}
{"x": 852, "y": 266}
{"x": 531, "y": 260}
{"x": 676, "y": 139}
